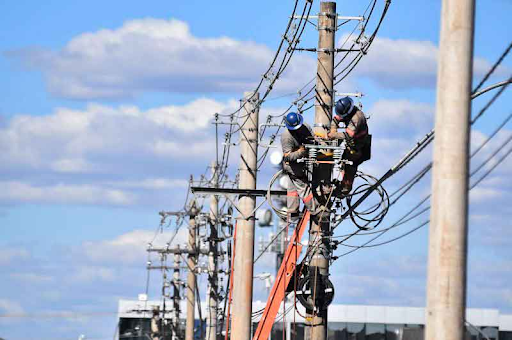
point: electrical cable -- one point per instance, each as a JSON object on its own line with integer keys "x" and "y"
{"x": 271, "y": 242}
{"x": 311, "y": 89}
{"x": 491, "y": 101}
{"x": 225, "y": 154}
{"x": 364, "y": 26}
{"x": 275, "y": 56}
{"x": 493, "y": 68}
{"x": 492, "y": 87}
{"x": 413, "y": 153}
{"x": 401, "y": 220}
{"x": 426, "y": 169}
{"x": 422, "y": 144}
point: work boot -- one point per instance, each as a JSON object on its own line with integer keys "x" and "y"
{"x": 345, "y": 190}
{"x": 342, "y": 190}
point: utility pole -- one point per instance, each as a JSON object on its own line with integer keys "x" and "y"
{"x": 213, "y": 281}
{"x": 446, "y": 285}
{"x": 243, "y": 268}
{"x": 193, "y": 253}
{"x": 165, "y": 285}
{"x": 191, "y": 279}
{"x": 320, "y": 229}
{"x": 176, "y": 297}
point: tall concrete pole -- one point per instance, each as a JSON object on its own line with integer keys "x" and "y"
{"x": 213, "y": 281}
{"x": 191, "y": 279}
{"x": 176, "y": 298}
{"x": 244, "y": 258}
{"x": 319, "y": 264}
{"x": 446, "y": 285}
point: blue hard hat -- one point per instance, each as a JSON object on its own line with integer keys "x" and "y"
{"x": 293, "y": 121}
{"x": 344, "y": 107}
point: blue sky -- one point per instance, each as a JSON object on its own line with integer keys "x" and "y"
{"x": 106, "y": 111}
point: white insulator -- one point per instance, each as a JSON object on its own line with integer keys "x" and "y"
{"x": 337, "y": 154}
{"x": 312, "y": 154}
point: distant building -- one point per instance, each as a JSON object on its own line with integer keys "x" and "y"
{"x": 346, "y": 322}
{"x": 134, "y": 317}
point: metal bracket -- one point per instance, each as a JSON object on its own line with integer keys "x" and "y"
{"x": 339, "y": 17}
{"x": 349, "y": 94}
{"x": 328, "y": 50}
{"x": 224, "y": 123}
{"x": 233, "y": 191}
{"x": 326, "y": 28}
{"x": 227, "y": 192}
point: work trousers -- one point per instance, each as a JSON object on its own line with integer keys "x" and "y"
{"x": 349, "y": 172}
{"x": 299, "y": 189}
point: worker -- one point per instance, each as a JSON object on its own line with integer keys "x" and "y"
{"x": 356, "y": 137}
{"x": 297, "y": 134}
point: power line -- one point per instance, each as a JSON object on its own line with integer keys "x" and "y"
{"x": 402, "y": 221}
{"x": 493, "y": 68}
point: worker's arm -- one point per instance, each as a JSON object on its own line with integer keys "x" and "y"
{"x": 342, "y": 134}
{"x": 289, "y": 154}
{"x": 293, "y": 156}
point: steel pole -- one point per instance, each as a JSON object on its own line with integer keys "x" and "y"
{"x": 191, "y": 279}
{"x": 211, "y": 321}
{"x": 319, "y": 264}
{"x": 446, "y": 284}
{"x": 243, "y": 268}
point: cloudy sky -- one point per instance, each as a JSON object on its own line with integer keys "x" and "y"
{"x": 106, "y": 111}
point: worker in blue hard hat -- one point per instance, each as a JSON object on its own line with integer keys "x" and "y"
{"x": 356, "y": 137}
{"x": 297, "y": 134}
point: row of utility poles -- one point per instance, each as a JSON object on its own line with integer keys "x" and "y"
{"x": 193, "y": 250}
{"x": 448, "y": 228}
{"x": 242, "y": 270}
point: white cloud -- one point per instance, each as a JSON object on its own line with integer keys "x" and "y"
{"x": 480, "y": 194}
{"x": 9, "y": 255}
{"x": 401, "y": 117}
{"x": 396, "y": 125}
{"x": 15, "y": 191}
{"x": 155, "y": 55}
{"x": 130, "y": 248}
{"x": 11, "y": 307}
{"x": 108, "y": 154}
{"x": 32, "y": 278}
{"x": 65, "y": 140}
{"x": 88, "y": 274}
{"x": 497, "y": 183}
{"x": 152, "y": 184}
{"x": 72, "y": 165}
{"x": 402, "y": 64}
{"x": 163, "y": 55}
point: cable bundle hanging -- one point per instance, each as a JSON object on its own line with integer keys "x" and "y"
{"x": 373, "y": 216}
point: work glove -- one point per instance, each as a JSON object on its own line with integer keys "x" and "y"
{"x": 302, "y": 151}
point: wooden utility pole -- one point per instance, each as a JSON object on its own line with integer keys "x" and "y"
{"x": 191, "y": 279}
{"x": 446, "y": 285}
{"x": 243, "y": 269}
{"x": 213, "y": 281}
{"x": 320, "y": 228}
